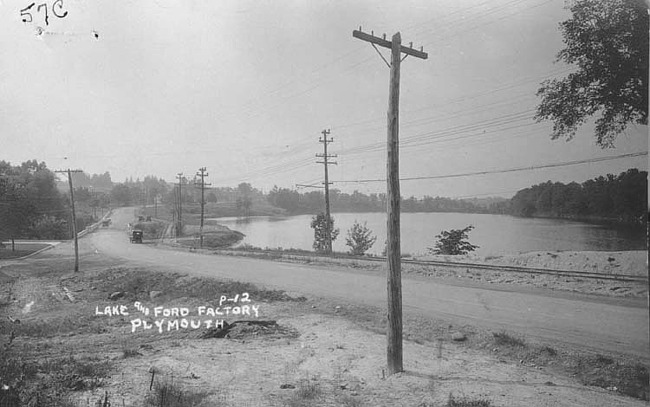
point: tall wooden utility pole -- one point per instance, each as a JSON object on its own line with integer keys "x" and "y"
{"x": 74, "y": 218}
{"x": 179, "y": 225}
{"x": 325, "y": 162}
{"x": 202, "y": 174}
{"x": 647, "y": 3}
{"x": 393, "y": 250}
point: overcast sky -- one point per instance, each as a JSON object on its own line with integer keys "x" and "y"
{"x": 244, "y": 88}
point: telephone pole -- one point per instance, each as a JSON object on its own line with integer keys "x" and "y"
{"x": 393, "y": 250}
{"x": 179, "y": 225}
{"x": 202, "y": 174}
{"x": 74, "y": 218}
{"x": 325, "y": 162}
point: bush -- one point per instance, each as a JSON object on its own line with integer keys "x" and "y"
{"x": 359, "y": 239}
{"x": 320, "y": 226}
{"x": 453, "y": 242}
{"x": 49, "y": 227}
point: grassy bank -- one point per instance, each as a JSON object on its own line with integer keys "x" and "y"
{"x": 20, "y": 249}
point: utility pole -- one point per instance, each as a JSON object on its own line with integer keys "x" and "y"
{"x": 393, "y": 250}
{"x": 325, "y": 162}
{"x": 647, "y": 3}
{"x": 179, "y": 226}
{"x": 202, "y": 174}
{"x": 74, "y": 218}
{"x": 92, "y": 200}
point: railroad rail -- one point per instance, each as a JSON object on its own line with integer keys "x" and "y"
{"x": 531, "y": 270}
{"x": 475, "y": 266}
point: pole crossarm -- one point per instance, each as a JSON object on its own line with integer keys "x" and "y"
{"x": 382, "y": 42}
{"x": 309, "y": 186}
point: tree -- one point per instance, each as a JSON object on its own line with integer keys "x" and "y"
{"x": 608, "y": 41}
{"x": 319, "y": 224}
{"x": 453, "y": 242}
{"x": 121, "y": 195}
{"x": 27, "y": 192}
{"x": 359, "y": 239}
{"x": 244, "y": 201}
{"x": 211, "y": 197}
{"x": 16, "y": 211}
{"x": 49, "y": 227}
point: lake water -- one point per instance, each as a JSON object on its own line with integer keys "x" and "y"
{"x": 494, "y": 234}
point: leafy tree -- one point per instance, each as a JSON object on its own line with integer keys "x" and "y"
{"x": 622, "y": 198}
{"x": 359, "y": 239}
{"x": 122, "y": 195}
{"x": 320, "y": 225}
{"x": 16, "y": 211}
{"x": 453, "y": 242}
{"x": 27, "y": 192}
{"x": 244, "y": 201}
{"x": 243, "y": 205}
{"x": 608, "y": 41}
{"x": 49, "y": 227}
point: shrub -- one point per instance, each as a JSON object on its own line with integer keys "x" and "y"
{"x": 359, "y": 239}
{"x": 453, "y": 242}
{"x": 320, "y": 226}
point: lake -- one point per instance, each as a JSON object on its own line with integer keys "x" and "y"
{"x": 494, "y": 234}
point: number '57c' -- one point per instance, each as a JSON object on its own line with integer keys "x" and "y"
{"x": 57, "y": 10}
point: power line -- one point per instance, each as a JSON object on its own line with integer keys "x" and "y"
{"x": 535, "y": 167}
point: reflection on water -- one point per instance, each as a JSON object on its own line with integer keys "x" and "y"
{"x": 494, "y": 234}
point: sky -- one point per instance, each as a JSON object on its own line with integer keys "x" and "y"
{"x": 245, "y": 88}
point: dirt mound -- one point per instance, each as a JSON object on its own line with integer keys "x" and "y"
{"x": 248, "y": 329}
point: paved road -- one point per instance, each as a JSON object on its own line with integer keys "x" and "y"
{"x": 601, "y": 326}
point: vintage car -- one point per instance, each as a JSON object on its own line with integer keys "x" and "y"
{"x": 136, "y": 236}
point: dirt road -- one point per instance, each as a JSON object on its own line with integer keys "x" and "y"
{"x": 617, "y": 328}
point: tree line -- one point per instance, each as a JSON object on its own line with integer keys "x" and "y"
{"x": 34, "y": 205}
{"x": 621, "y": 198}
{"x": 296, "y": 203}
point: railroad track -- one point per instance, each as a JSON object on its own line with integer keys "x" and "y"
{"x": 531, "y": 270}
{"x": 476, "y": 266}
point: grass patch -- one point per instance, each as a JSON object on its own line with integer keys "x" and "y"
{"x": 222, "y": 239}
{"x": 467, "y": 402}
{"x": 130, "y": 353}
{"x": 169, "y": 394}
{"x": 630, "y": 379}
{"x": 308, "y": 389}
{"x": 505, "y": 339}
{"x": 48, "y": 382}
{"x": 305, "y": 394}
{"x": 21, "y": 250}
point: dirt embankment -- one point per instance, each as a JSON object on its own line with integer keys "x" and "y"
{"x": 623, "y": 262}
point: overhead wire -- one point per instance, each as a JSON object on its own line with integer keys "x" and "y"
{"x": 516, "y": 169}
